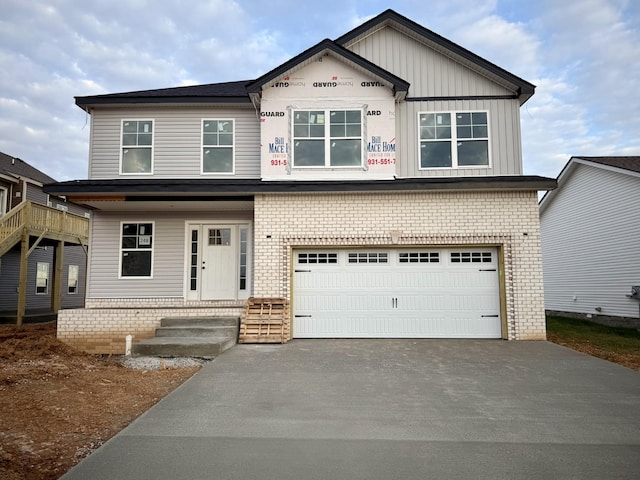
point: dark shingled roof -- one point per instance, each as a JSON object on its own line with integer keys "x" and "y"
{"x": 17, "y": 167}
{"x": 627, "y": 163}
{"x": 225, "y": 92}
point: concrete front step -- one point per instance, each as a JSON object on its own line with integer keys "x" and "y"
{"x": 198, "y": 331}
{"x": 183, "y": 347}
{"x": 191, "y": 321}
{"x": 204, "y": 337}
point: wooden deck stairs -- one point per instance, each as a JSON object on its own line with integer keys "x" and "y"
{"x": 29, "y": 224}
{"x": 265, "y": 320}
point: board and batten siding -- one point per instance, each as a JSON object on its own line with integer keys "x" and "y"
{"x": 429, "y": 72}
{"x": 590, "y": 243}
{"x": 177, "y": 141}
{"x": 168, "y": 253}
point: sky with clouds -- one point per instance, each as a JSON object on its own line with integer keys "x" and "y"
{"x": 583, "y": 56}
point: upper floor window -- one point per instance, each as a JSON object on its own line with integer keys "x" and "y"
{"x": 452, "y": 140}
{"x": 136, "y": 250}
{"x": 137, "y": 146}
{"x": 217, "y": 146}
{"x": 327, "y": 138}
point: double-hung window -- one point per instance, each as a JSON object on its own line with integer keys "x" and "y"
{"x": 136, "y": 250}
{"x": 137, "y": 146}
{"x": 327, "y": 138}
{"x": 217, "y": 146}
{"x": 452, "y": 140}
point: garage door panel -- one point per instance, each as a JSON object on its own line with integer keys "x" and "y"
{"x": 443, "y": 293}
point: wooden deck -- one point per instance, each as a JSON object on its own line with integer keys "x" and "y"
{"x": 28, "y": 224}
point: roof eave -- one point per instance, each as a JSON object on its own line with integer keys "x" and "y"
{"x": 193, "y": 188}
{"x": 88, "y": 102}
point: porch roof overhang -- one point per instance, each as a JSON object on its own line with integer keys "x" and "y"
{"x": 95, "y": 192}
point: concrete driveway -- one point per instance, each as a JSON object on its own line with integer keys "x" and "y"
{"x": 387, "y": 409}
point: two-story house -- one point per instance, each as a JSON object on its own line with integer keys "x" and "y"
{"x": 42, "y": 245}
{"x": 375, "y": 181}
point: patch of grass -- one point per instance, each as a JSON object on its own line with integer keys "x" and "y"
{"x": 616, "y": 344}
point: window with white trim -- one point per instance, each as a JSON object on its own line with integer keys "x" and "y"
{"x": 217, "y": 146}
{"x": 42, "y": 278}
{"x": 136, "y": 250}
{"x": 327, "y": 138}
{"x": 136, "y": 152}
{"x": 454, "y": 139}
{"x": 72, "y": 279}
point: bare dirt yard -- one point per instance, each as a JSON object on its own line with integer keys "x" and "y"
{"x": 58, "y": 404}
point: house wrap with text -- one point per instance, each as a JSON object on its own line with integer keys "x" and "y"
{"x": 374, "y": 181}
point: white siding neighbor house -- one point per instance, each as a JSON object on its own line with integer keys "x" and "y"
{"x": 591, "y": 239}
{"x": 374, "y": 182}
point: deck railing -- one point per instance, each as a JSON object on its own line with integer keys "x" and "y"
{"x": 41, "y": 220}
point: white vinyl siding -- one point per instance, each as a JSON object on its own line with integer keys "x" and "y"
{"x": 177, "y": 150}
{"x": 590, "y": 247}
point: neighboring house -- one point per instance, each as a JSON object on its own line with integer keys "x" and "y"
{"x": 375, "y": 181}
{"x": 46, "y": 221}
{"x": 591, "y": 239}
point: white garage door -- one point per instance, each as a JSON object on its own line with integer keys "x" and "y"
{"x": 396, "y": 293}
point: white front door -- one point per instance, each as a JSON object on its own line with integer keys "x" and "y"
{"x": 219, "y": 262}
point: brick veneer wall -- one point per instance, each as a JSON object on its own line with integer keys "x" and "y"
{"x": 507, "y": 219}
{"x": 102, "y": 326}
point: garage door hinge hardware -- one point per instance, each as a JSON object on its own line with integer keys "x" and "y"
{"x": 487, "y": 270}
{"x": 489, "y": 316}
{"x": 303, "y": 316}
{"x": 302, "y": 271}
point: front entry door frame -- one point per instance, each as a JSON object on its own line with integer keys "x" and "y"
{"x": 218, "y": 260}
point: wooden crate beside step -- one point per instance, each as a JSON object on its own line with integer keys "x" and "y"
{"x": 265, "y": 320}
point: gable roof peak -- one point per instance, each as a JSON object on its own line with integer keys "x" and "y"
{"x": 403, "y": 24}
{"x": 400, "y": 86}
